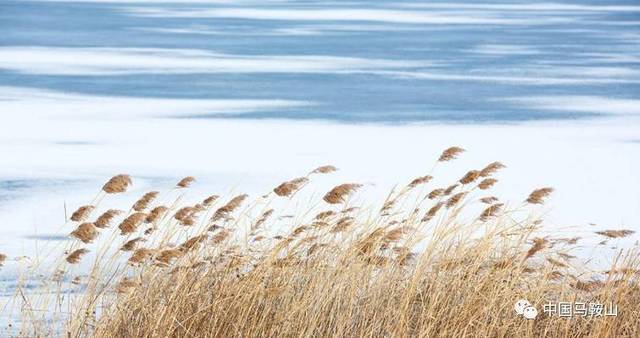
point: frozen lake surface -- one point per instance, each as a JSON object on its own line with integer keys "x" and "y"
{"x": 246, "y": 94}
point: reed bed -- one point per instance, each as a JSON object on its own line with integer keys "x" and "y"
{"x": 429, "y": 261}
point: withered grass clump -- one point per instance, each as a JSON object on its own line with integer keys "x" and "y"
{"x": 438, "y": 262}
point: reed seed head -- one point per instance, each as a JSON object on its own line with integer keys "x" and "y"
{"x": 325, "y": 214}
{"x": 432, "y": 212}
{"x": 326, "y": 169}
{"x": 140, "y": 255}
{"x": 490, "y": 212}
{"x": 489, "y": 199}
{"x": 193, "y": 242}
{"x": 491, "y": 168}
{"x": 340, "y": 192}
{"x": 420, "y": 180}
{"x": 221, "y": 236}
{"x": 75, "y": 256}
{"x": 117, "y": 184}
{"x": 287, "y": 188}
{"x": 131, "y": 244}
{"x": 450, "y": 189}
{"x": 538, "y": 244}
{"x": 105, "y": 219}
{"x": 207, "y": 202}
{"x": 487, "y": 183}
{"x": 228, "y": 208}
{"x": 342, "y": 224}
{"x": 85, "y": 232}
{"x": 538, "y": 196}
{"x": 450, "y": 154}
{"x": 166, "y": 256}
{"x": 186, "y": 182}
{"x": 455, "y": 199}
{"x": 435, "y": 193}
{"x": 615, "y": 233}
{"x": 470, "y": 177}
{"x": 82, "y": 213}
{"x": 155, "y": 214}
{"x": 131, "y": 223}
{"x": 145, "y": 200}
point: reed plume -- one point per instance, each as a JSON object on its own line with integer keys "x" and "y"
{"x": 82, "y": 213}
{"x": 420, "y": 180}
{"x": 145, "y": 200}
{"x": 131, "y": 244}
{"x": 166, "y": 256}
{"x": 221, "y": 236}
{"x": 538, "y": 196}
{"x": 397, "y": 233}
{"x": 432, "y": 212}
{"x": 615, "y": 233}
{"x": 455, "y": 199}
{"x": 342, "y": 224}
{"x": 435, "y": 193}
{"x": 470, "y": 177}
{"x": 75, "y": 256}
{"x": 207, "y": 202}
{"x": 186, "y": 215}
{"x": 193, "y": 242}
{"x": 326, "y": 169}
{"x": 450, "y": 154}
{"x": 290, "y": 187}
{"x": 155, "y": 214}
{"x": 105, "y": 219}
{"x": 117, "y": 184}
{"x": 228, "y": 208}
{"x": 487, "y": 183}
{"x": 85, "y": 232}
{"x": 263, "y": 218}
{"x": 450, "y": 189}
{"x": 186, "y": 182}
{"x": 140, "y": 255}
{"x": 340, "y": 192}
{"x": 490, "y": 212}
{"x": 131, "y": 223}
{"x": 491, "y": 168}
{"x": 538, "y": 244}
{"x": 489, "y": 199}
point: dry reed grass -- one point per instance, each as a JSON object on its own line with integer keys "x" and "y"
{"x": 335, "y": 270}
